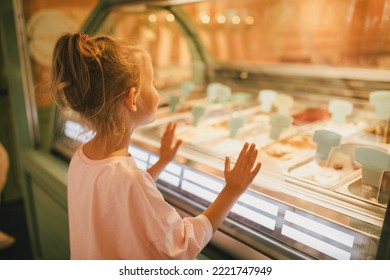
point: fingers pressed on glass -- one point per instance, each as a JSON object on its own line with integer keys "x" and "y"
{"x": 242, "y": 154}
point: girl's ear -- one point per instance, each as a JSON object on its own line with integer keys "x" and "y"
{"x": 131, "y": 100}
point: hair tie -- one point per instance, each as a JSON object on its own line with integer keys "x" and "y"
{"x": 86, "y": 38}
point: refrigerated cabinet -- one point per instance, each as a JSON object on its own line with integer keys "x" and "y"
{"x": 215, "y": 81}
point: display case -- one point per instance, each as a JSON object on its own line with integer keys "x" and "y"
{"x": 274, "y": 74}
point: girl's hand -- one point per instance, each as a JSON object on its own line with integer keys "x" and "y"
{"x": 169, "y": 149}
{"x": 244, "y": 171}
{"x": 237, "y": 181}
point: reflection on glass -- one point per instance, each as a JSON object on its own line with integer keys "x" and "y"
{"x": 341, "y": 33}
{"x": 159, "y": 33}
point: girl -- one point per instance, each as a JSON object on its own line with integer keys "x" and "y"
{"x": 115, "y": 209}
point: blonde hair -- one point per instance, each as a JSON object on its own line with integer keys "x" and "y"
{"x": 93, "y": 77}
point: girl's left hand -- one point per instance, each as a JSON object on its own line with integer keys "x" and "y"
{"x": 168, "y": 149}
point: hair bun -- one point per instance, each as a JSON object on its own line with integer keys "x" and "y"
{"x": 86, "y": 37}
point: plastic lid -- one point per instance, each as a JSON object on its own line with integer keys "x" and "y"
{"x": 380, "y": 99}
{"x": 224, "y": 94}
{"x": 325, "y": 140}
{"x": 340, "y": 109}
{"x": 284, "y": 103}
{"x": 173, "y": 101}
{"x": 235, "y": 124}
{"x": 187, "y": 87}
{"x": 197, "y": 113}
{"x": 267, "y": 98}
{"x": 217, "y": 92}
{"x": 374, "y": 161}
{"x": 213, "y": 91}
{"x": 278, "y": 122}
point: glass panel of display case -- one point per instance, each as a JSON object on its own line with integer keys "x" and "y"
{"x": 160, "y": 34}
{"x": 234, "y": 106}
{"x": 45, "y": 21}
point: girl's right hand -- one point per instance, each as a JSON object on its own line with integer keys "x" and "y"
{"x": 244, "y": 171}
{"x": 237, "y": 181}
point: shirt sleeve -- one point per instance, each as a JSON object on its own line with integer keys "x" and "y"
{"x": 171, "y": 236}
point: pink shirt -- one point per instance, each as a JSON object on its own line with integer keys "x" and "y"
{"x": 116, "y": 212}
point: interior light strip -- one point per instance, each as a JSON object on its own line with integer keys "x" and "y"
{"x": 77, "y": 132}
{"x": 315, "y": 243}
{"x": 198, "y": 191}
{"x": 170, "y": 178}
{"x": 319, "y": 228}
{"x": 238, "y": 209}
{"x": 254, "y": 216}
{"x": 202, "y": 180}
{"x": 259, "y": 203}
